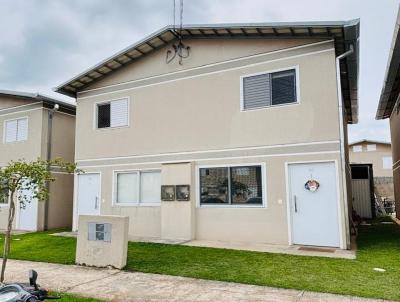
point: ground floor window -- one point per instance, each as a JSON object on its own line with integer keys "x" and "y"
{"x": 235, "y": 185}
{"x": 137, "y": 187}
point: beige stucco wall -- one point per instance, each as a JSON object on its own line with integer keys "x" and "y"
{"x": 10, "y": 102}
{"x": 372, "y": 157}
{"x": 202, "y": 52}
{"x": 209, "y": 107}
{"x": 395, "y": 135}
{"x": 177, "y": 118}
{"x": 61, "y": 201}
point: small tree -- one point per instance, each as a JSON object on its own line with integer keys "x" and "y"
{"x": 20, "y": 177}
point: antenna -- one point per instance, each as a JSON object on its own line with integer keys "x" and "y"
{"x": 179, "y": 49}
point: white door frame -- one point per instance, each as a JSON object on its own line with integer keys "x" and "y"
{"x": 75, "y": 214}
{"x": 339, "y": 206}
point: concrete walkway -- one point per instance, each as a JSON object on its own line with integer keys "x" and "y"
{"x": 114, "y": 285}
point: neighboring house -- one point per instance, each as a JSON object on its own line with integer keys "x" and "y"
{"x": 251, "y": 121}
{"x": 31, "y": 128}
{"x": 389, "y": 107}
{"x": 371, "y": 164}
{"x": 377, "y": 153}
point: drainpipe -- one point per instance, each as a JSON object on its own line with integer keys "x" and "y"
{"x": 341, "y": 142}
{"x": 48, "y": 158}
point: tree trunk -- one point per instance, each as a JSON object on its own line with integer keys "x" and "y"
{"x": 7, "y": 239}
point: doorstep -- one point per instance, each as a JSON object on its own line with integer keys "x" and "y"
{"x": 278, "y": 249}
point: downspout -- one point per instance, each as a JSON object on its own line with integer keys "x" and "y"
{"x": 48, "y": 158}
{"x": 341, "y": 141}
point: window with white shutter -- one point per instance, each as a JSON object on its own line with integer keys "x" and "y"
{"x": 113, "y": 114}
{"x": 16, "y": 130}
{"x": 269, "y": 89}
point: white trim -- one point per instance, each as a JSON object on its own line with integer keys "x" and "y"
{"x": 208, "y": 73}
{"x": 212, "y": 159}
{"x": 340, "y": 221}
{"x": 212, "y": 64}
{"x": 295, "y": 67}
{"x": 18, "y": 112}
{"x": 95, "y": 113}
{"x": 17, "y": 107}
{"x": 209, "y": 151}
{"x": 230, "y": 206}
{"x": 139, "y": 203}
{"x": 5, "y": 130}
{"x": 75, "y": 219}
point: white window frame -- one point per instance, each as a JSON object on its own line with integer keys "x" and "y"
{"x": 383, "y": 163}
{"x": 297, "y": 72}
{"x": 115, "y": 202}
{"x": 230, "y": 206}
{"x": 371, "y": 147}
{"x": 95, "y": 113}
{"x": 5, "y": 129}
{"x": 357, "y": 149}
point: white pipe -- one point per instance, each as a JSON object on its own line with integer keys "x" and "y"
{"x": 341, "y": 142}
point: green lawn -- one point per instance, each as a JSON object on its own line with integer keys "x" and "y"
{"x": 378, "y": 246}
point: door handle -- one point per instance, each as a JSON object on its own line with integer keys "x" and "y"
{"x": 295, "y": 203}
{"x": 96, "y": 202}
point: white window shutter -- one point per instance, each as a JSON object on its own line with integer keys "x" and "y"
{"x": 256, "y": 91}
{"x": 11, "y": 131}
{"x": 22, "y": 129}
{"x": 119, "y": 113}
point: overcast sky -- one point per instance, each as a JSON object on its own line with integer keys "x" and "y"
{"x": 45, "y": 42}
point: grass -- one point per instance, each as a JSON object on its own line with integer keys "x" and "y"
{"x": 378, "y": 246}
{"x": 70, "y": 298}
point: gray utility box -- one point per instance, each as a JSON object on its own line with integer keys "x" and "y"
{"x": 102, "y": 241}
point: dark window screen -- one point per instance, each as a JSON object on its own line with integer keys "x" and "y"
{"x": 214, "y": 186}
{"x": 359, "y": 172}
{"x": 246, "y": 186}
{"x": 283, "y": 87}
{"x": 103, "y": 115}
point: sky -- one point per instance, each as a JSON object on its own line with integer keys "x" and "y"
{"x": 46, "y": 42}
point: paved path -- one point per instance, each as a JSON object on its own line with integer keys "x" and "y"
{"x": 113, "y": 285}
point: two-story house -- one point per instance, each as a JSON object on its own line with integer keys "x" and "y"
{"x": 389, "y": 107}
{"x": 35, "y": 126}
{"x": 241, "y": 137}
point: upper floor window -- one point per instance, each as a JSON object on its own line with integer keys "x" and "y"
{"x": 16, "y": 130}
{"x": 371, "y": 147}
{"x": 113, "y": 114}
{"x": 357, "y": 148}
{"x": 387, "y": 162}
{"x": 269, "y": 89}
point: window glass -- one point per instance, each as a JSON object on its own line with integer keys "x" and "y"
{"x": 103, "y": 115}
{"x": 127, "y": 187}
{"x": 359, "y": 172}
{"x": 150, "y": 187}
{"x": 371, "y": 147}
{"x": 357, "y": 148}
{"x": 283, "y": 87}
{"x": 214, "y": 186}
{"x": 387, "y": 162}
{"x": 246, "y": 186}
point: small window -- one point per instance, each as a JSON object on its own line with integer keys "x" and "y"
{"x": 357, "y": 148}
{"x": 269, "y": 89}
{"x": 360, "y": 172}
{"x": 231, "y": 186}
{"x": 387, "y": 162}
{"x": 138, "y": 187}
{"x": 371, "y": 147}
{"x": 16, "y": 130}
{"x": 112, "y": 114}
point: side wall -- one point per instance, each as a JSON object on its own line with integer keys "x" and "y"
{"x": 395, "y": 133}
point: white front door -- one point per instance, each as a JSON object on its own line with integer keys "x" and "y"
{"x": 314, "y": 214}
{"x": 28, "y": 214}
{"x": 88, "y": 201}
